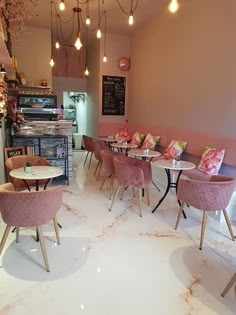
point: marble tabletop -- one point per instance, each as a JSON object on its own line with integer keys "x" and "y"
{"x": 38, "y": 172}
{"x": 124, "y": 145}
{"x": 144, "y": 153}
{"x": 178, "y": 165}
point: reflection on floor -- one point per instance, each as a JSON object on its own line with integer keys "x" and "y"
{"x": 116, "y": 263}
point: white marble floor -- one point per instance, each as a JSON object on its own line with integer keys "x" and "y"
{"x": 113, "y": 263}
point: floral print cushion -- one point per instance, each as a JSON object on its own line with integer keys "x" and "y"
{"x": 122, "y": 134}
{"x": 150, "y": 142}
{"x": 137, "y": 138}
{"x": 175, "y": 148}
{"x": 211, "y": 160}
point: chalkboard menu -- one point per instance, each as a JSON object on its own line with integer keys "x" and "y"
{"x": 113, "y": 95}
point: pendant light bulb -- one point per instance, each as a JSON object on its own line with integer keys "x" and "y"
{"x": 86, "y": 72}
{"x": 57, "y": 45}
{"x": 131, "y": 19}
{"x": 78, "y": 43}
{"x": 52, "y": 63}
{"x": 62, "y": 5}
{"x": 173, "y": 6}
{"x": 88, "y": 21}
{"x": 99, "y": 33}
{"x": 104, "y": 58}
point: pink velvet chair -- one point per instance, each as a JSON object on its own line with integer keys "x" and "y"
{"x": 132, "y": 172}
{"x": 19, "y": 161}
{"x": 108, "y": 165}
{"x": 207, "y": 196}
{"x": 88, "y": 146}
{"x": 229, "y": 285}
{"x": 29, "y": 209}
{"x": 97, "y": 147}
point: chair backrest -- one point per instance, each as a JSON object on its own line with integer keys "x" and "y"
{"x": 28, "y": 209}
{"x": 88, "y": 143}
{"x": 128, "y": 174}
{"x": 210, "y": 196}
{"x": 97, "y": 147}
{"x": 19, "y": 161}
{"x": 107, "y": 158}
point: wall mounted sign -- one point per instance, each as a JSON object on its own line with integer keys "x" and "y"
{"x": 123, "y": 63}
{"x": 13, "y": 151}
{"x": 113, "y": 95}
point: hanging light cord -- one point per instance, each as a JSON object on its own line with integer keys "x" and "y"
{"x": 131, "y": 9}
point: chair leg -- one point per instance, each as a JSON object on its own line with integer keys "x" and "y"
{"x": 4, "y": 238}
{"x": 148, "y": 196}
{"x": 228, "y": 224}
{"x": 43, "y": 248}
{"x": 204, "y": 219}
{"x": 103, "y": 182}
{"x": 86, "y": 158}
{"x": 99, "y": 170}
{"x": 96, "y": 168}
{"x": 229, "y": 285}
{"x": 179, "y": 214}
{"x": 17, "y": 234}
{"x": 114, "y": 198}
{"x": 140, "y": 201}
{"x": 122, "y": 193}
{"x": 111, "y": 186}
{"x": 56, "y": 229}
{"x": 133, "y": 191}
{"x": 90, "y": 159}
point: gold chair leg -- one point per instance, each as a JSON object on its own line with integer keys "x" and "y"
{"x": 86, "y": 158}
{"x": 43, "y": 248}
{"x": 96, "y": 168}
{"x": 99, "y": 170}
{"x": 204, "y": 219}
{"x": 179, "y": 214}
{"x": 140, "y": 201}
{"x": 17, "y": 234}
{"x": 4, "y": 238}
{"x": 122, "y": 193}
{"x": 56, "y": 229}
{"x": 228, "y": 224}
{"x": 90, "y": 160}
{"x": 133, "y": 191}
{"x": 111, "y": 186}
{"x": 103, "y": 182}
{"x": 114, "y": 198}
{"x": 148, "y": 195}
{"x": 229, "y": 285}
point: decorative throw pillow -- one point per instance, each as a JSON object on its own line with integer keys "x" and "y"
{"x": 211, "y": 160}
{"x": 175, "y": 148}
{"x": 122, "y": 134}
{"x": 150, "y": 141}
{"x": 137, "y": 138}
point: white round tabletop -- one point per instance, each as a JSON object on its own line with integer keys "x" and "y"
{"x": 178, "y": 166}
{"x": 124, "y": 146}
{"x": 144, "y": 153}
{"x": 38, "y": 172}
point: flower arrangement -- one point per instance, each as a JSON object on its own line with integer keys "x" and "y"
{"x": 13, "y": 116}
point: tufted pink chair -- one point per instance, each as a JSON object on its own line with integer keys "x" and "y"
{"x": 108, "y": 165}
{"x": 28, "y": 209}
{"x": 97, "y": 147}
{"x": 207, "y": 196}
{"x": 88, "y": 145}
{"x": 229, "y": 285}
{"x": 19, "y": 161}
{"x": 132, "y": 172}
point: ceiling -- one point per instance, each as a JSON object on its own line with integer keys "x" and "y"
{"x": 117, "y": 21}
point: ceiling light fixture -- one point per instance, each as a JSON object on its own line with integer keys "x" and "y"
{"x": 78, "y": 43}
{"x": 105, "y": 39}
{"x": 51, "y": 61}
{"x": 62, "y": 5}
{"x": 130, "y": 13}
{"x": 173, "y": 6}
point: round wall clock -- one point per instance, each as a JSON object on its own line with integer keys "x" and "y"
{"x": 124, "y": 63}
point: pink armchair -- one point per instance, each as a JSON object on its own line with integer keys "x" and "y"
{"x": 134, "y": 173}
{"x": 207, "y": 196}
{"x": 108, "y": 165}
{"x": 28, "y": 209}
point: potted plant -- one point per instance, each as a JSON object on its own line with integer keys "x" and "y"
{"x": 176, "y": 160}
{"x": 28, "y": 167}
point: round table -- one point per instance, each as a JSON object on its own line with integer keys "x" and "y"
{"x": 125, "y": 147}
{"x": 144, "y": 154}
{"x": 38, "y": 172}
{"x": 168, "y": 165}
{"x": 108, "y": 140}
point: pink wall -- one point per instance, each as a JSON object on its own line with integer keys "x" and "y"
{"x": 183, "y": 71}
